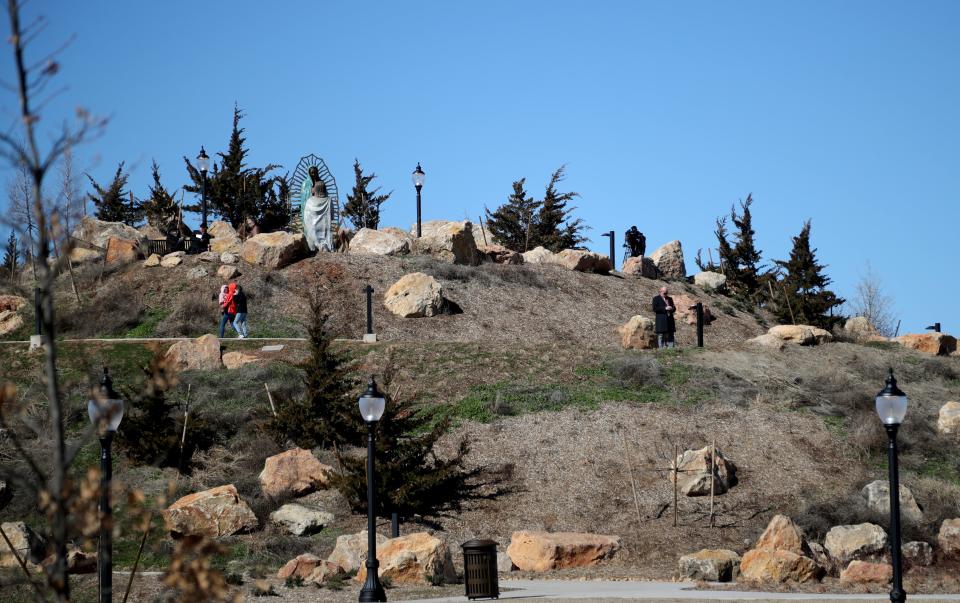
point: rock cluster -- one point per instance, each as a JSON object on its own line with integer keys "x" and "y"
{"x": 273, "y": 250}
{"x": 413, "y": 559}
{"x": 935, "y": 344}
{"x": 712, "y": 565}
{"x": 859, "y": 328}
{"x": 381, "y": 242}
{"x": 10, "y": 319}
{"x": 877, "y": 495}
{"x": 449, "y": 241}
{"x": 780, "y": 555}
{"x": 863, "y": 542}
{"x": 639, "y": 266}
{"x": 780, "y": 335}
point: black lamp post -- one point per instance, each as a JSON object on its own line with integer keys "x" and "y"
{"x": 613, "y": 254}
{"x": 418, "y": 177}
{"x": 106, "y": 411}
{"x": 892, "y": 408}
{"x": 372, "y": 404}
{"x": 203, "y": 163}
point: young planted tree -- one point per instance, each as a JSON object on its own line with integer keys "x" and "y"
{"x": 804, "y": 287}
{"x": 871, "y": 301}
{"x": 363, "y": 206}
{"x": 160, "y": 208}
{"x": 11, "y": 258}
{"x": 113, "y": 202}
{"x": 554, "y": 229}
{"x": 514, "y": 222}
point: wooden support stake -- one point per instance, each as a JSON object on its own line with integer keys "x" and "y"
{"x": 793, "y": 318}
{"x": 713, "y": 479}
{"x": 482, "y": 231}
{"x": 23, "y": 566}
{"x": 136, "y": 562}
{"x": 633, "y": 482}
{"x": 676, "y": 487}
{"x": 273, "y": 409}
{"x": 183, "y": 437}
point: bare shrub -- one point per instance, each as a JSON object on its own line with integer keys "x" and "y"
{"x": 872, "y": 302}
{"x": 195, "y": 313}
{"x": 114, "y": 311}
{"x": 635, "y": 369}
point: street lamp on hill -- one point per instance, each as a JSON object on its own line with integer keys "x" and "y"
{"x": 372, "y": 404}
{"x": 203, "y": 164}
{"x": 418, "y": 178}
{"x": 892, "y": 408}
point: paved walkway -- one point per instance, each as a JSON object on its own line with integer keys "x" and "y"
{"x": 604, "y": 590}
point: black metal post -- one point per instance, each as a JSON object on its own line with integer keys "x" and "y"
{"x": 935, "y": 327}
{"x": 613, "y": 253}
{"x": 897, "y": 594}
{"x": 105, "y": 545}
{"x": 372, "y": 588}
{"x": 369, "y": 291}
{"x": 699, "y": 308}
{"x": 418, "y": 210}
{"x": 37, "y": 312}
{"x": 203, "y": 198}
{"x": 394, "y": 525}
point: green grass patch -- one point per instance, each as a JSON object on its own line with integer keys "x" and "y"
{"x": 836, "y": 425}
{"x": 942, "y": 468}
{"x": 148, "y": 325}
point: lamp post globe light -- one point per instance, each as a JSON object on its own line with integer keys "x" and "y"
{"x": 418, "y": 177}
{"x": 106, "y": 411}
{"x": 892, "y": 408}
{"x": 372, "y": 404}
{"x": 203, "y": 164}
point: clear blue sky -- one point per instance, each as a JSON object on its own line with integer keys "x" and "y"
{"x": 665, "y": 113}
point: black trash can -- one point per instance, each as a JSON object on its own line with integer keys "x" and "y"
{"x": 480, "y": 569}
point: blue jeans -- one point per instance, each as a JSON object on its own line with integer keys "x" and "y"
{"x": 665, "y": 340}
{"x": 224, "y": 319}
{"x": 240, "y": 324}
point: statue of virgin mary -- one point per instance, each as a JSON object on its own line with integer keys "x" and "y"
{"x": 317, "y": 213}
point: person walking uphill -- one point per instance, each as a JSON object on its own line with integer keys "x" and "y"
{"x": 240, "y": 319}
{"x": 665, "y": 326}
{"x": 227, "y": 307}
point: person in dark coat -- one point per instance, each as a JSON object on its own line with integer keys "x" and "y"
{"x": 665, "y": 327}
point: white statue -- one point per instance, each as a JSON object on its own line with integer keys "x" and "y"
{"x": 317, "y": 213}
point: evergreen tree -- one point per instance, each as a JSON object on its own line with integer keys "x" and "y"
{"x": 747, "y": 272}
{"x": 363, "y": 207}
{"x": 513, "y": 224}
{"x": 160, "y": 208}
{"x": 325, "y": 416}
{"x": 554, "y": 229}
{"x": 113, "y": 202}
{"x": 11, "y": 257}
{"x": 275, "y": 206}
{"x": 728, "y": 261}
{"x": 804, "y": 283}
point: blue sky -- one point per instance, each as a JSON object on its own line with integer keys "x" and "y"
{"x": 665, "y": 113}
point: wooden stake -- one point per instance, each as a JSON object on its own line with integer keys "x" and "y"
{"x": 676, "y": 487}
{"x": 183, "y": 438}
{"x": 136, "y": 562}
{"x": 793, "y": 318}
{"x": 633, "y": 482}
{"x": 482, "y": 231}
{"x": 273, "y": 409}
{"x": 713, "y": 457}
{"x": 23, "y": 566}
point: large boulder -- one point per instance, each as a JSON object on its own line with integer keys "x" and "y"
{"x": 28, "y": 544}
{"x": 448, "y": 241}
{"x": 380, "y": 242}
{"x": 221, "y": 229}
{"x": 300, "y": 566}
{"x": 782, "y": 534}
{"x": 582, "y": 261}
{"x": 171, "y": 260}
{"x": 413, "y": 559}
{"x": 544, "y": 551}
{"x": 864, "y": 572}
{"x": 10, "y": 321}
{"x": 696, "y": 468}
{"x": 949, "y": 537}
{"x": 686, "y": 312}
{"x": 538, "y": 255}
{"x": 122, "y": 251}
{"x": 710, "y": 281}
{"x": 864, "y": 541}
{"x": 237, "y": 359}
{"x": 801, "y": 334}
{"x": 415, "y": 295}
{"x": 712, "y": 565}
{"x": 776, "y": 567}
{"x": 499, "y": 255}
{"x": 638, "y": 334}
{"x": 300, "y": 520}
{"x": 640, "y": 265}
{"x": 350, "y": 552}
{"x": 668, "y": 259}
{"x": 948, "y": 421}
{"x": 294, "y": 472}
{"x": 273, "y": 249}
{"x": 859, "y": 328}
{"x": 98, "y": 233}
{"x": 152, "y": 262}
{"x": 216, "y": 512}
{"x": 12, "y": 303}
{"x": 877, "y": 495}
{"x": 768, "y": 341}
{"x": 201, "y": 354}
{"x": 228, "y": 272}
{"x": 84, "y": 255}
{"x": 482, "y": 237}
{"x": 935, "y": 344}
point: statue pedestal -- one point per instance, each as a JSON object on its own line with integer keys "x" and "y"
{"x": 370, "y": 338}
{"x": 36, "y": 342}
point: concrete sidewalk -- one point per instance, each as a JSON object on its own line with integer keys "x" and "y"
{"x": 604, "y": 590}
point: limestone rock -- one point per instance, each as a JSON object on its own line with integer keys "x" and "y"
{"x": 229, "y": 258}
{"x": 544, "y": 551}
{"x": 98, "y": 233}
{"x": 300, "y": 520}
{"x": 776, "y": 567}
{"x": 171, "y": 260}
{"x": 710, "y": 281}
{"x": 935, "y": 344}
{"x": 638, "y": 334}
{"x": 152, "y": 262}
{"x": 668, "y": 259}
{"x": 821, "y": 557}
{"x": 449, "y": 241}
{"x": 122, "y": 250}
{"x": 948, "y": 421}
{"x": 380, "y": 242}
{"x": 234, "y": 360}
{"x": 859, "y": 328}
{"x": 208, "y": 256}
{"x": 9, "y": 322}
{"x": 228, "y": 272}
{"x": 294, "y": 472}
{"x": 918, "y": 553}
{"x": 695, "y": 471}
{"x": 768, "y": 341}
{"x": 801, "y": 334}
{"x": 197, "y": 272}
{"x": 221, "y": 230}
{"x": 537, "y": 255}
{"x": 580, "y": 260}
{"x": 324, "y": 572}
{"x": 712, "y": 565}
{"x": 202, "y": 354}
{"x": 877, "y": 494}
{"x": 415, "y": 295}
{"x": 782, "y": 534}
{"x": 84, "y": 255}
{"x": 863, "y": 572}
{"x": 228, "y": 244}
{"x": 300, "y": 566}
{"x": 639, "y": 266}
{"x": 499, "y": 255}
{"x": 862, "y": 541}
{"x": 216, "y": 512}
{"x": 482, "y": 237}
{"x": 686, "y": 313}
{"x": 12, "y": 303}
{"x": 412, "y": 559}
{"x": 949, "y": 537}
{"x": 28, "y": 544}
{"x": 350, "y": 552}
{"x": 273, "y": 249}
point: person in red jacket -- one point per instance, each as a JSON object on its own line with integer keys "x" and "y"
{"x": 228, "y": 308}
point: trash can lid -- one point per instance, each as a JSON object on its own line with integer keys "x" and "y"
{"x": 478, "y": 544}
